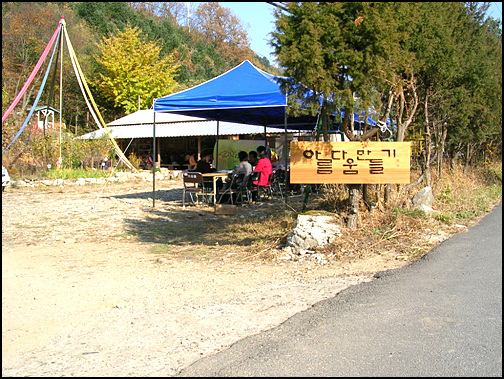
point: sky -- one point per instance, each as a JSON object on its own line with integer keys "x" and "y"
{"x": 258, "y": 21}
{"x": 495, "y": 11}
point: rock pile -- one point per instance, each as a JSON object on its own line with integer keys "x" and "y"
{"x": 423, "y": 200}
{"x": 310, "y": 232}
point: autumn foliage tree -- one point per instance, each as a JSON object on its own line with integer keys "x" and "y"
{"x": 221, "y": 27}
{"x": 133, "y": 69}
{"x": 164, "y": 53}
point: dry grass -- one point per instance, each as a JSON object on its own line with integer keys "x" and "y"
{"x": 402, "y": 233}
{"x": 393, "y": 231}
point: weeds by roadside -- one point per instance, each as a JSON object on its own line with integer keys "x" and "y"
{"x": 461, "y": 199}
{"x": 393, "y": 229}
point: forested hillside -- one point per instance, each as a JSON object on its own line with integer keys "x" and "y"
{"x": 213, "y": 42}
{"x": 434, "y": 69}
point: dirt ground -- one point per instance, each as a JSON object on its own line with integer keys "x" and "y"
{"x": 81, "y": 297}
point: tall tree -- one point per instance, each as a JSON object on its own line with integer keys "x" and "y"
{"x": 105, "y": 17}
{"x": 176, "y": 11}
{"x": 133, "y": 69}
{"x": 343, "y": 51}
{"x": 309, "y": 47}
{"x": 221, "y": 27}
{"x": 480, "y": 84}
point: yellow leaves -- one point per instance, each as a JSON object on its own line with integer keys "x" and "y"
{"x": 132, "y": 68}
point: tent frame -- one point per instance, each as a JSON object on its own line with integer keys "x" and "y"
{"x": 244, "y": 94}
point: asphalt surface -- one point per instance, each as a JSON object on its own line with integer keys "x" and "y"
{"x": 440, "y": 316}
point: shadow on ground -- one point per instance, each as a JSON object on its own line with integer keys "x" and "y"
{"x": 168, "y": 223}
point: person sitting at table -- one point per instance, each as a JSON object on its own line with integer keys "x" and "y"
{"x": 204, "y": 166}
{"x": 253, "y": 158}
{"x": 244, "y": 167}
{"x": 150, "y": 161}
{"x": 186, "y": 160}
{"x": 143, "y": 163}
{"x": 192, "y": 161}
{"x": 264, "y": 166}
{"x": 174, "y": 160}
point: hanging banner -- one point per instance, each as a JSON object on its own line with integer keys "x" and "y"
{"x": 350, "y": 162}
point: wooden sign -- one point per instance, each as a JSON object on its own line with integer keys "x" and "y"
{"x": 350, "y": 162}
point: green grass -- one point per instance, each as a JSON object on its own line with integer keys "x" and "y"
{"x": 193, "y": 252}
{"x": 443, "y": 218}
{"x": 161, "y": 249}
{"x": 64, "y": 173}
{"x": 122, "y": 235}
{"x": 75, "y": 173}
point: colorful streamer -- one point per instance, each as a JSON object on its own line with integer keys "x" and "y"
{"x": 36, "y": 99}
{"x": 34, "y": 72}
{"x": 94, "y": 108}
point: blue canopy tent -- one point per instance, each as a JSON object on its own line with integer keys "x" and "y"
{"x": 244, "y": 94}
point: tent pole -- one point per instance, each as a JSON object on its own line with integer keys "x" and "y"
{"x": 216, "y": 158}
{"x": 60, "y": 160}
{"x": 199, "y": 149}
{"x": 285, "y": 154}
{"x": 154, "y": 160}
{"x": 265, "y": 139}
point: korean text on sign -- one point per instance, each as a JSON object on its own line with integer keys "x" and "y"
{"x": 350, "y": 162}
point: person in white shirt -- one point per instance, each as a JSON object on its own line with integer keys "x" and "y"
{"x": 244, "y": 167}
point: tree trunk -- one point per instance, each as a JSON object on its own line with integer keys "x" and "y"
{"x": 353, "y": 206}
{"x": 323, "y": 116}
{"x": 468, "y": 157}
{"x": 441, "y": 152}
{"x": 428, "y": 144}
{"x": 76, "y": 120}
{"x": 406, "y": 109}
{"x": 378, "y": 193}
{"x": 388, "y": 194}
{"x": 345, "y": 125}
{"x": 353, "y": 189}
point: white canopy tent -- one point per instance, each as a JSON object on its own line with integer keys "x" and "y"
{"x": 170, "y": 125}
{"x": 139, "y": 125}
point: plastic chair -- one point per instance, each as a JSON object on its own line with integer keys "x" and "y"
{"x": 193, "y": 185}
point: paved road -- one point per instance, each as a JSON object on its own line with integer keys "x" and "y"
{"x": 441, "y": 316}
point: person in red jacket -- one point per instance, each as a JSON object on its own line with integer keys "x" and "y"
{"x": 264, "y": 165}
